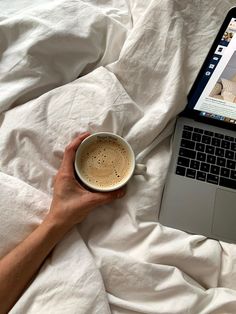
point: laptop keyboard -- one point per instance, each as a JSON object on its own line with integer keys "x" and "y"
{"x": 207, "y": 156}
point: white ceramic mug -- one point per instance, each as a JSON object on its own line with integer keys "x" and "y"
{"x": 135, "y": 169}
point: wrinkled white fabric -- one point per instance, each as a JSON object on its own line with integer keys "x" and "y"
{"x": 120, "y": 66}
{"x": 51, "y": 44}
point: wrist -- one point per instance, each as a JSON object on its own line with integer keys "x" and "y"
{"x": 56, "y": 224}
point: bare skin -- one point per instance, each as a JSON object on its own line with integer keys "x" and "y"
{"x": 71, "y": 204}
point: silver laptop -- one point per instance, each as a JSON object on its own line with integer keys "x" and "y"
{"x": 200, "y": 192}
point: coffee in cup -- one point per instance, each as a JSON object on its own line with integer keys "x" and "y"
{"x": 104, "y": 161}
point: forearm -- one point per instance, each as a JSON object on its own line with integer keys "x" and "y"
{"x": 20, "y": 265}
{"x": 71, "y": 204}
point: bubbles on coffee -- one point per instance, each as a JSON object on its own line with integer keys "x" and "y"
{"x": 105, "y": 163}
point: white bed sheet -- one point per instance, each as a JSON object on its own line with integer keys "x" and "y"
{"x": 121, "y": 66}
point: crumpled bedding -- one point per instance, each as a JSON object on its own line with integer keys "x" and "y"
{"x": 69, "y": 66}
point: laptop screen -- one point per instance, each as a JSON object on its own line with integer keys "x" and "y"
{"x": 213, "y": 95}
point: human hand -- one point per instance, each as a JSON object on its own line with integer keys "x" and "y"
{"x": 71, "y": 202}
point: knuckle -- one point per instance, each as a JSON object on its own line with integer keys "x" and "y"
{"x": 63, "y": 176}
{"x": 69, "y": 148}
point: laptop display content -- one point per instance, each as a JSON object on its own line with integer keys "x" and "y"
{"x": 213, "y": 95}
{"x": 200, "y": 191}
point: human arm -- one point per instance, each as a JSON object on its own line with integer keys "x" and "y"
{"x": 70, "y": 205}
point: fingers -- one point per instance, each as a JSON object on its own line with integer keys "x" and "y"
{"x": 76, "y": 141}
{"x": 107, "y": 197}
{"x": 67, "y": 164}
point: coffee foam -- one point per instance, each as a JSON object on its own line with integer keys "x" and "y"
{"x": 105, "y": 162}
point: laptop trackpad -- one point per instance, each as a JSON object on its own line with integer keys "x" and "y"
{"x": 224, "y": 214}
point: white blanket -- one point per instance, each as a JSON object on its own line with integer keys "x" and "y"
{"x": 122, "y": 66}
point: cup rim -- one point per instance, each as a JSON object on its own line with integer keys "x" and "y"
{"x": 94, "y": 187}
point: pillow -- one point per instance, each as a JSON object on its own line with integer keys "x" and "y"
{"x": 229, "y": 90}
{"x": 218, "y": 97}
{"x": 228, "y": 96}
{"x": 216, "y": 89}
{"x": 229, "y": 86}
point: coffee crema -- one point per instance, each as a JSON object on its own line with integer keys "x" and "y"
{"x": 105, "y": 162}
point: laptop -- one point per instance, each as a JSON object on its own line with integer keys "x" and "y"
{"x": 200, "y": 191}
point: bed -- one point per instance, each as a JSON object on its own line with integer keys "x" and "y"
{"x": 123, "y": 66}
